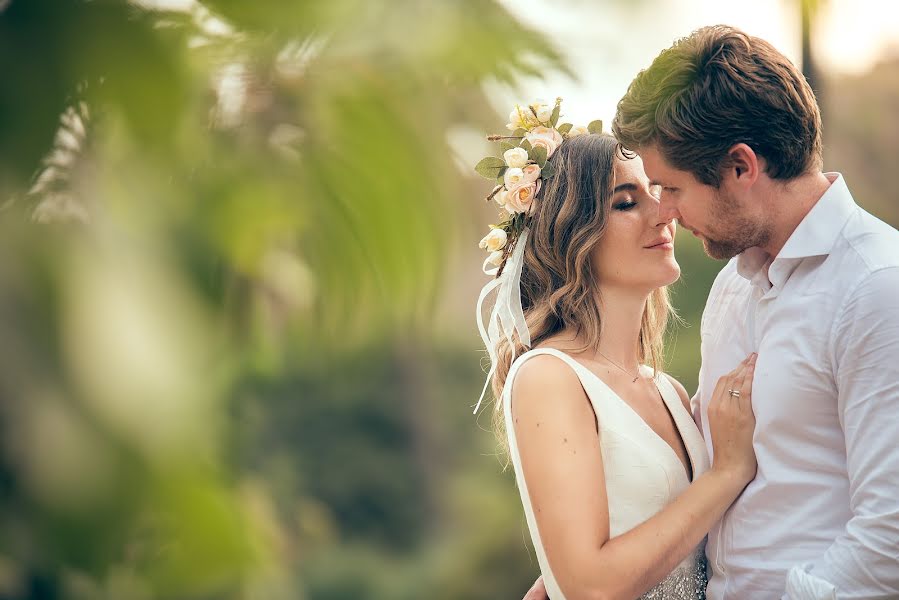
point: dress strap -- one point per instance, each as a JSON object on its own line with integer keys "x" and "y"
{"x": 575, "y": 365}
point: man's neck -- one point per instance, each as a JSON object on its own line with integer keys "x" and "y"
{"x": 790, "y": 203}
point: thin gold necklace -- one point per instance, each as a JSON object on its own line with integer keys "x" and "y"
{"x": 622, "y": 369}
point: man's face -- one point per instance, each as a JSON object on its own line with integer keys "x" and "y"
{"x": 716, "y": 216}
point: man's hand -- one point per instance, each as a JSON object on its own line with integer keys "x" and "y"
{"x": 537, "y": 591}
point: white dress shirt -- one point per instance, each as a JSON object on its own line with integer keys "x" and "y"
{"x": 821, "y": 518}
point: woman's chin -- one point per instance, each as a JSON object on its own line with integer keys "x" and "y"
{"x": 647, "y": 277}
{"x": 670, "y": 274}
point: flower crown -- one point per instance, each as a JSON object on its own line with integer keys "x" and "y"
{"x": 520, "y": 173}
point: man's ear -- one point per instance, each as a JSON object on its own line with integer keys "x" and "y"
{"x": 744, "y": 167}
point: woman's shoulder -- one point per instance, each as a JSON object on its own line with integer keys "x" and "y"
{"x": 544, "y": 366}
{"x": 545, "y": 371}
{"x": 547, "y": 389}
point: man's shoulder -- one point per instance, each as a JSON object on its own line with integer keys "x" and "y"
{"x": 870, "y": 242}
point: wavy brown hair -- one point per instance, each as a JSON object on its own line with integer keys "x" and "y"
{"x": 715, "y": 88}
{"x": 559, "y": 286}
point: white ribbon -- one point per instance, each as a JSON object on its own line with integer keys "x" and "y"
{"x": 507, "y": 316}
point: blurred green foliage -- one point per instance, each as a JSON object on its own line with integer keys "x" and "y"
{"x": 215, "y": 221}
{"x": 223, "y": 229}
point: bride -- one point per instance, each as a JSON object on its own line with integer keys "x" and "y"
{"x": 617, "y": 488}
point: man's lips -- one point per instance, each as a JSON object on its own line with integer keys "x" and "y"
{"x": 693, "y": 231}
{"x": 690, "y": 229}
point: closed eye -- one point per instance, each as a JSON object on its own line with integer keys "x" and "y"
{"x": 625, "y": 205}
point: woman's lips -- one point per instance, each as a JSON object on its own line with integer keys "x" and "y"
{"x": 662, "y": 246}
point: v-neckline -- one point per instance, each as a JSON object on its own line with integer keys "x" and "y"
{"x": 654, "y": 433}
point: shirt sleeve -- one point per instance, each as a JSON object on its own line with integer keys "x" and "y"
{"x": 863, "y": 562}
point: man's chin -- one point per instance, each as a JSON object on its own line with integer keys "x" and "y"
{"x": 720, "y": 250}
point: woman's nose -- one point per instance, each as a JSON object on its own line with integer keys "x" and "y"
{"x": 667, "y": 210}
{"x": 660, "y": 217}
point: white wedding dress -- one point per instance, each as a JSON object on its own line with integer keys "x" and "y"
{"x": 642, "y": 472}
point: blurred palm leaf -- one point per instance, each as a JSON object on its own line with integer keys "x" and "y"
{"x": 250, "y": 171}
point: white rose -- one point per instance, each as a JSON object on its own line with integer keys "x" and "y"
{"x": 545, "y": 137}
{"x": 578, "y": 130}
{"x": 544, "y": 112}
{"x": 512, "y": 177}
{"x": 493, "y": 241}
{"x": 528, "y": 118}
{"x": 521, "y": 198}
{"x": 516, "y": 157}
{"x": 496, "y": 258}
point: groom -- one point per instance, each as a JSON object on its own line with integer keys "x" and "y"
{"x": 731, "y": 131}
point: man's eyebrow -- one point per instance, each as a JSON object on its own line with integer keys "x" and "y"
{"x": 631, "y": 187}
{"x": 656, "y": 182}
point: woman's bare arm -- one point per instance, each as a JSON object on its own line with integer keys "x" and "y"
{"x": 560, "y": 453}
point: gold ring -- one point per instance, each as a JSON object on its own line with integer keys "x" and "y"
{"x": 734, "y": 393}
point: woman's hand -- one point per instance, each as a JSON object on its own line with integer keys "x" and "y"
{"x": 732, "y": 423}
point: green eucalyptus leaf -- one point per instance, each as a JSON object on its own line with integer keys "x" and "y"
{"x": 506, "y": 146}
{"x": 564, "y": 128}
{"x": 555, "y": 118}
{"x": 527, "y": 146}
{"x": 538, "y": 155}
{"x": 547, "y": 171}
{"x": 490, "y": 167}
{"x": 520, "y": 132}
{"x": 595, "y": 126}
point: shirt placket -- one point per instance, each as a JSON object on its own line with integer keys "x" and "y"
{"x": 757, "y": 308}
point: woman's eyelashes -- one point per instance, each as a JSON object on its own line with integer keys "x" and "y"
{"x": 628, "y": 202}
{"x": 625, "y": 204}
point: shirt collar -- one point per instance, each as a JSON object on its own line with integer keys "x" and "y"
{"x": 817, "y": 232}
{"x": 815, "y": 235}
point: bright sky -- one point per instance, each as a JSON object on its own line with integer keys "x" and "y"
{"x": 608, "y": 45}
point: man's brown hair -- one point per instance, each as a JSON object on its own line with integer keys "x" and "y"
{"x": 715, "y": 88}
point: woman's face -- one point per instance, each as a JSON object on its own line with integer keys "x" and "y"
{"x": 637, "y": 249}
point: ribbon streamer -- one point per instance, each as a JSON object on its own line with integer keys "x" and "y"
{"x": 507, "y": 316}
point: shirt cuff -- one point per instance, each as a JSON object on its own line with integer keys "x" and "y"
{"x": 802, "y": 585}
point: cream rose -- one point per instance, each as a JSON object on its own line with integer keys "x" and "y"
{"x": 493, "y": 241}
{"x": 500, "y": 198}
{"x": 512, "y": 177}
{"x": 545, "y": 137}
{"x": 516, "y": 119}
{"x": 527, "y": 115}
{"x": 516, "y": 157}
{"x": 530, "y": 173}
{"x": 578, "y": 130}
{"x": 521, "y": 198}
